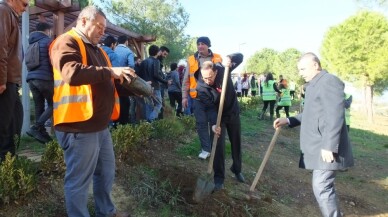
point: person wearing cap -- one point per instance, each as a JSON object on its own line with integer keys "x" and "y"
{"x": 189, "y": 84}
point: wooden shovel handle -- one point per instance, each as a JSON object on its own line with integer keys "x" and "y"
{"x": 266, "y": 156}
{"x": 219, "y": 115}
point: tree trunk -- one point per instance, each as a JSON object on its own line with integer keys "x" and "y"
{"x": 368, "y": 97}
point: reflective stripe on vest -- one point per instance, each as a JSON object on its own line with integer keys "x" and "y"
{"x": 74, "y": 103}
{"x": 193, "y": 66}
{"x": 285, "y": 100}
{"x": 268, "y": 92}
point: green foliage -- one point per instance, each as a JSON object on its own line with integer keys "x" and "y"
{"x": 127, "y": 137}
{"x": 357, "y": 50}
{"x": 53, "y": 162}
{"x": 188, "y": 122}
{"x": 250, "y": 103}
{"x": 278, "y": 63}
{"x": 164, "y": 19}
{"x": 167, "y": 129}
{"x": 286, "y": 65}
{"x": 262, "y": 61}
{"x": 17, "y": 179}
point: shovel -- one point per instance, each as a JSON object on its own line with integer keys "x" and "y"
{"x": 266, "y": 156}
{"x": 205, "y": 184}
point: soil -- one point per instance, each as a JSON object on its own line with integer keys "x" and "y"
{"x": 283, "y": 189}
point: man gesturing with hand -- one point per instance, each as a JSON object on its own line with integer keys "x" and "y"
{"x": 324, "y": 142}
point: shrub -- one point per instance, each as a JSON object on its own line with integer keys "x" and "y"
{"x": 17, "y": 178}
{"x": 53, "y": 162}
{"x": 167, "y": 129}
{"x": 127, "y": 137}
{"x": 188, "y": 122}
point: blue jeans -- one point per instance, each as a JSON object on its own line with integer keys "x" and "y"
{"x": 153, "y": 111}
{"x": 42, "y": 91}
{"x": 88, "y": 156}
{"x": 189, "y": 110}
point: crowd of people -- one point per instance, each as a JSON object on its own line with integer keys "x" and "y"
{"x": 79, "y": 82}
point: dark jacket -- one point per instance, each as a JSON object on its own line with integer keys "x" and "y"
{"x": 210, "y": 95}
{"x": 150, "y": 72}
{"x": 44, "y": 71}
{"x": 10, "y": 46}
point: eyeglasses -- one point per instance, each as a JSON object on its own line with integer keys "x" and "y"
{"x": 100, "y": 26}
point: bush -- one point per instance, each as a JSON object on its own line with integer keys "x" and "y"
{"x": 53, "y": 162}
{"x": 250, "y": 103}
{"x": 188, "y": 122}
{"x": 17, "y": 178}
{"x": 167, "y": 129}
{"x": 127, "y": 137}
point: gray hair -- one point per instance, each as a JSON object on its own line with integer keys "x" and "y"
{"x": 313, "y": 57}
{"x": 90, "y": 13}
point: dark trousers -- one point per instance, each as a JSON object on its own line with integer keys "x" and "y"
{"x": 271, "y": 104}
{"x": 124, "y": 110}
{"x": 244, "y": 92}
{"x": 176, "y": 97}
{"x": 203, "y": 116}
{"x": 253, "y": 92}
{"x": 286, "y": 109}
{"x": 42, "y": 91}
{"x": 11, "y": 119}
{"x": 232, "y": 125}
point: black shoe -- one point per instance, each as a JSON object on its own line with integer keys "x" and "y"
{"x": 36, "y": 134}
{"x": 218, "y": 186}
{"x": 238, "y": 176}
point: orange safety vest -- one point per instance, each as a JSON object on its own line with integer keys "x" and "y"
{"x": 74, "y": 103}
{"x": 194, "y": 66}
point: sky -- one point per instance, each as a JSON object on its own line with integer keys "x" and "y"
{"x": 248, "y": 26}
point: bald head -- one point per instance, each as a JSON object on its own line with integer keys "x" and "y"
{"x": 309, "y": 66}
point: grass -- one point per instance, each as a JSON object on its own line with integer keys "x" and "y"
{"x": 151, "y": 193}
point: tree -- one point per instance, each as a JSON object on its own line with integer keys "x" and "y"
{"x": 357, "y": 50}
{"x": 286, "y": 65}
{"x": 165, "y": 19}
{"x": 262, "y": 61}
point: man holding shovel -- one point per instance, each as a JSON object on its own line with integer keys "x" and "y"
{"x": 324, "y": 139}
{"x": 208, "y": 93}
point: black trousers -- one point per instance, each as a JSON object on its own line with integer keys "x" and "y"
{"x": 176, "y": 97}
{"x": 271, "y": 106}
{"x": 286, "y": 109}
{"x": 232, "y": 125}
{"x": 124, "y": 110}
{"x": 11, "y": 119}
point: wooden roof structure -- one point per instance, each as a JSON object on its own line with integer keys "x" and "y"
{"x": 63, "y": 14}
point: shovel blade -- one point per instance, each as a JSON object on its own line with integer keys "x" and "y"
{"x": 204, "y": 187}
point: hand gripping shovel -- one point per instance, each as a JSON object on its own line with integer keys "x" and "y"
{"x": 266, "y": 156}
{"x": 205, "y": 184}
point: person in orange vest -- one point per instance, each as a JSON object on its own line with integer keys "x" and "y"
{"x": 189, "y": 84}
{"x": 85, "y": 100}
